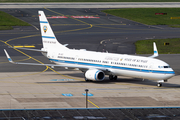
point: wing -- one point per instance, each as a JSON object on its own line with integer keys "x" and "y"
{"x": 82, "y": 68}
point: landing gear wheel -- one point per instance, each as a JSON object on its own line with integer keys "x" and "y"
{"x": 159, "y": 84}
{"x": 112, "y": 77}
{"x": 86, "y": 79}
{"x": 115, "y": 77}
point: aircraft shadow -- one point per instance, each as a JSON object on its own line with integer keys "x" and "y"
{"x": 137, "y": 81}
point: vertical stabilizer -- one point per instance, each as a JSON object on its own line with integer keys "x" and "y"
{"x": 49, "y": 40}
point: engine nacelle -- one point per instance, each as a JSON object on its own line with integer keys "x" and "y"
{"x": 95, "y": 75}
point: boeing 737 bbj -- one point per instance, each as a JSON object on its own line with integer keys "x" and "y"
{"x": 96, "y": 65}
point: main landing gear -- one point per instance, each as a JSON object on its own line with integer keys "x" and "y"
{"x": 159, "y": 84}
{"x": 87, "y": 80}
{"x": 112, "y": 77}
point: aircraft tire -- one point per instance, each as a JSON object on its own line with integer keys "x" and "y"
{"x": 86, "y": 79}
{"x": 159, "y": 84}
{"x": 115, "y": 77}
{"x": 112, "y": 77}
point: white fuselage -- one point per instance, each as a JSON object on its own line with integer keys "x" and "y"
{"x": 118, "y": 64}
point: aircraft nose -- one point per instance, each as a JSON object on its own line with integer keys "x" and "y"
{"x": 172, "y": 73}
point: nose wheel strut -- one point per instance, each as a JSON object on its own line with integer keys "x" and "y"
{"x": 160, "y": 82}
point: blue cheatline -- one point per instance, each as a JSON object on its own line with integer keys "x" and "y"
{"x": 89, "y": 94}
{"x": 68, "y": 94}
{"x": 62, "y": 80}
{"x": 113, "y": 67}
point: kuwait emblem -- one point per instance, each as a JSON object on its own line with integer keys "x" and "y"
{"x": 45, "y": 28}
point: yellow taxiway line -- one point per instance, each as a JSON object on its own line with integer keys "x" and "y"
{"x": 26, "y": 46}
{"x": 93, "y": 103}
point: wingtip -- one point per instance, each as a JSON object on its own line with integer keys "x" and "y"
{"x": 155, "y": 49}
{"x": 8, "y": 57}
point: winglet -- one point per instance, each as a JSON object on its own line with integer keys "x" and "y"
{"x": 7, "y": 55}
{"x": 155, "y": 51}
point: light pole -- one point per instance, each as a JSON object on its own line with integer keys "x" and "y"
{"x": 86, "y": 97}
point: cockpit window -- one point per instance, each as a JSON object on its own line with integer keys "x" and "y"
{"x": 166, "y": 66}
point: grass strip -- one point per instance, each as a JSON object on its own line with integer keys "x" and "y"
{"x": 146, "y": 46}
{"x": 147, "y": 15}
{"x": 89, "y": 0}
{"x": 7, "y": 21}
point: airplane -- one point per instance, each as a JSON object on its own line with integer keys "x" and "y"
{"x": 95, "y": 65}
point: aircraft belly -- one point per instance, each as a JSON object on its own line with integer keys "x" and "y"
{"x": 143, "y": 75}
{"x": 136, "y": 73}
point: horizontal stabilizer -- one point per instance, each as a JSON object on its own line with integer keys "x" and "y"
{"x": 66, "y": 45}
{"x": 36, "y": 50}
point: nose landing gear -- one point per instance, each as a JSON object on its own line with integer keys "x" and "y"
{"x": 160, "y": 82}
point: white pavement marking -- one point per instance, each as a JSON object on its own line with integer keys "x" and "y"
{"x": 93, "y": 5}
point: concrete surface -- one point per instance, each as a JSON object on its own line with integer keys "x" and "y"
{"x": 21, "y": 90}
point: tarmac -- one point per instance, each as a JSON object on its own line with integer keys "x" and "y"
{"x": 24, "y": 87}
{"x": 64, "y": 89}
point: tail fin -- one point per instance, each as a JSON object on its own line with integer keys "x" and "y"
{"x": 49, "y": 40}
